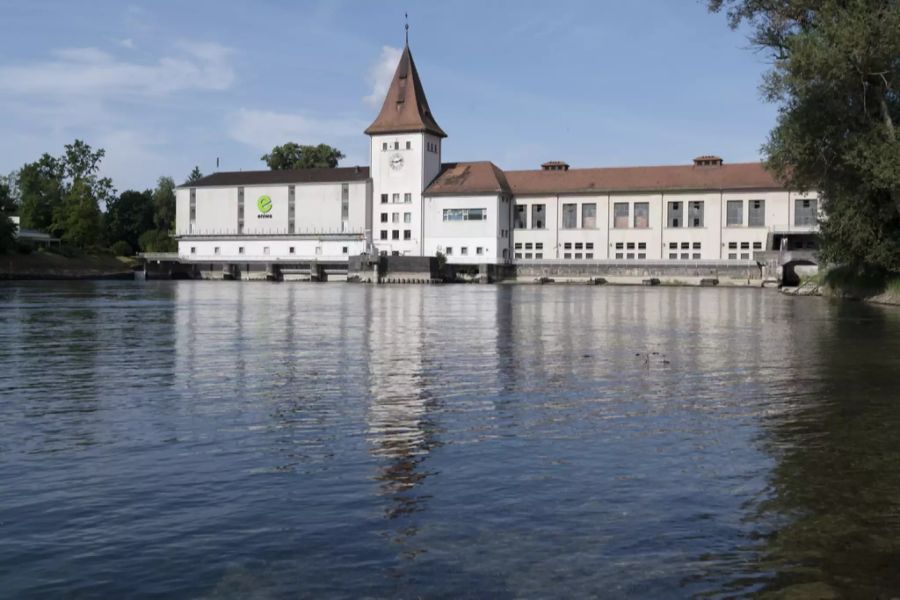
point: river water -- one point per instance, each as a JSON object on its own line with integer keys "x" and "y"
{"x": 251, "y": 440}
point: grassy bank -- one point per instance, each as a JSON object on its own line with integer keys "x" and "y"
{"x": 48, "y": 265}
{"x": 845, "y": 282}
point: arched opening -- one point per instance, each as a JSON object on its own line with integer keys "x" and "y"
{"x": 789, "y": 276}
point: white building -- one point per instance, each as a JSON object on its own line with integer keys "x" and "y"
{"x": 407, "y": 202}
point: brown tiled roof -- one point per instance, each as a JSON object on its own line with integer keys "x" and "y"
{"x": 405, "y": 107}
{"x": 481, "y": 177}
{"x": 287, "y": 176}
{"x": 643, "y": 179}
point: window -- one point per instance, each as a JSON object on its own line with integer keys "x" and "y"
{"x": 528, "y": 245}
{"x": 384, "y": 198}
{"x": 567, "y": 246}
{"x": 396, "y": 145}
{"x": 734, "y": 213}
{"x": 757, "y": 213}
{"x": 395, "y": 217}
{"x": 745, "y": 256}
{"x": 266, "y": 250}
{"x": 696, "y": 245}
{"x": 291, "y": 250}
{"x": 539, "y": 245}
{"x": 673, "y": 255}
{"x": 384, "y": 234}
{"x": 384, "y": 146}
{"x": 641, "y": 215}
{"x": 685, "y": 245}
{"x": 395, "y": 198}
{"x": 518, "y": 255}
{"x": 449, "y": 250}
{"x": 408, "y": 145}
{"x": 407, "y": 198}
{"x": 620, "y": 215}
{"x": 395, "y": 234}
{"x": 464, "y": 250}
{"x": 745, "y": 245}
{"x": 528, "y": 255}
{"x": 519, "y": 217}
{"x": 732, "y": 245}
{"x": 345, "y": 250}
{"x": 345, "y": 201}
{"x": 757, "y": 245}
{"x": 578, "y": 255}
{"x": 589, "y": 216}
{"x": 642, "y": 255}
{"x": 630, "y": 256}
{"x": 579, "y": 246}
{"x": 518, "y": 245}
{"x": 673, "y": 245}
{"x": 696, "y": 256}
{"x": 642, "y": 245}
{"x": 674, "y": 214}
{"x": 479, "y": 250}
{"x": 570, "y": 216}
{"x": 696, "y": 209}
{"x": 193, "y": 205}
{"x": 217, "y": 250}
{"x": 241, "y": 250}
{"x": 407, "y": 217}
{"x": 567, "y": 255}
{"x": 291, "y": 201}
{"x": 620, "y": 245}
{"x": 630, "y": 245}
{"x": 685, "y": 256}
{"x": 240, "y": 209}
{"x": 193, "y": 250}
{"x": 619, "y": 255}
{"x": 537, "y": 216}
{"x": 589, "y": 245}
{"x": 394, "y": 253}
{"x": 804, "y": 212}
{"x": 465, "y": 214}
{"x": 384, "y": 217}
{"x": 539, "y": 255}
{"x": 589, "y": 255}
{"x": 407, "y": 234}
{"x": 732, "y": 256}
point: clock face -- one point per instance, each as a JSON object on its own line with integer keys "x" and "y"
{"x": 397, "y": 161}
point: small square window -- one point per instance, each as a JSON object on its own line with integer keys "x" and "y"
{"x": 567, "y": 255}
{"x": 266, "y": 250}
{"x": 589, "y": 246}
{"x": 630, "y": 246}
{"x": 620, "y": 246}
{"x": 685, "y": 245}
{"x": 241, "y": 250}
{"x": 217, "y": 250}
{"x": 642, "y": 255}
{"x": 578, "y": 255}
{"x": 384, "y": 146}
{"x": 407, "y": 198}
{"x": 642, "y": 246}
{"x": 291, "y": 250}
{"x": 685, "y": 256}
{"x": 193, "y": 250}
{"x": 732, "y": 256}
{"x": 384, "y": 217}
{"x": 409, "y": 145}
{"x": 396, "y": 145}
{"x": 589, "y": 255}
{"x": 745, "y": 256}
{"x": 479, "y": 250}
{"x": 539, "y": 245}
{"x": 384, "y": 198}
{"x": 384, "y": 234}
{"x": 518, "y": 255}
{"x": 528, "y": 245}
{"x": 757, "y": 245}
{"x": 464, "y": 250}
{"x": 673, "y": 245}
{"x": 696, "y": 245}
{"x": 579, "y": 246}
{"x": 518, "y": 245}
{"x": 539, "y": 255}
{"x": 395, "y": 198}
{"x": 732, "y": 245}
{"x": 630, "y": 256}
{"x": 696, "y": 256}
{"x": 345, "y": 250}
{"x": 527, "y": 255}
{"x": 449, "y": 250}
{"x": 673, "y": 255}
{"x": 395, "y": 234}
{"x": 567, "y": 246}
{"x": 619, "y": 255}
{"x": 745, "y": 245}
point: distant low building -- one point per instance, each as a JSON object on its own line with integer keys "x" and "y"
{"x": 33, "y": 236}
{"x": 408, "y": 202}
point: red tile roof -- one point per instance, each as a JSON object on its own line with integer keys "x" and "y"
{"x": 481, "y": 177}
{"x": 405, "y": 108}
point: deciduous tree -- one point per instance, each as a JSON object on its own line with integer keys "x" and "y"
{"x": 835, "y": 76}
{"x": 295, "y": 156}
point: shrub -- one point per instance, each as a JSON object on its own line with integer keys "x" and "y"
{"x": 122, "y": 248}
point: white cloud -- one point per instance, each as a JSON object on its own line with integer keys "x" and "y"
{"x": 381, "y": 73}
{"x": 94, "y": 72}
{"x": 127, "y": 43}
{"x": 262, "y": 130}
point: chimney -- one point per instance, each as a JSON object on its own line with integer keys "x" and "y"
{"x": 555, "y": 165}
{"x": 708, "y": 160}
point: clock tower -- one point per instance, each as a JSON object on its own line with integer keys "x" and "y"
{"x": 405, "y": 157}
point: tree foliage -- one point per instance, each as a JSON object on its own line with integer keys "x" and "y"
{"x": 296, "y": 156}
{"x": 7, "y": 210}
{"x": 195, "y": 174}
{"x": 164, "y": 204}
{"x": 40, "y": 190}
{"x": 835, "y": 72}
{"x": 128, "y": 216}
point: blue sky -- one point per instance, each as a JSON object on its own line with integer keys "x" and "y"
{"x": 165, "y": 85}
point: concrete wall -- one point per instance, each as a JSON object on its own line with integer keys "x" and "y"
{"x": 453, "y": 238}
{"x": 688, "y": 272}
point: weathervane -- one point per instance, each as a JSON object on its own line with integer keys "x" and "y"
{"x": 406, "y": 27}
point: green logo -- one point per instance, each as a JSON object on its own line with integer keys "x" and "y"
{"x": 264, "y": 204}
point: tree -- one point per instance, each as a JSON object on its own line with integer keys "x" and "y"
{"x": 128, "y": 216}
{"x": 835, "y": 72}
{"x": 77, "y": 218}
{"x": 164, "y": 204}
{"x": 295, "y": 156}
{"x": 7, "y": 227}
{"x": 40, "y": 191}
{"x": 195, "y": 174}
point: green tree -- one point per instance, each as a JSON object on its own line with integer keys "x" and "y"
{"x": 77, "y": 218}
{"x": 40, "y": 191}
{"x": 128, "y": 216}
{"x": 164, "y": 204}
{"x": 295, "y": 156}
{"x": 7, "y": 227}
{"x": 836, "y": 68}
{"x": 195, "y": 174}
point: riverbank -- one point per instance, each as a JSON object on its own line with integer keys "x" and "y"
{"x": 50, "y": 266}
{"x": 845, "y": 283}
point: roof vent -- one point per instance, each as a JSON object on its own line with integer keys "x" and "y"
{"x": 555, "y": 165}
{"x": 708, "y": 160}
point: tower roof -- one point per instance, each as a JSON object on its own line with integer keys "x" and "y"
{"x": 405, "y": 108}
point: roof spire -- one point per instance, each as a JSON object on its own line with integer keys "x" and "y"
{"x": 406, "y": 27}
